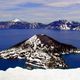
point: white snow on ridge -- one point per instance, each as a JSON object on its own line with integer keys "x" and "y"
{"x": 16, "y": 20}
{"x": 39, "y": 74}
{"x": 64, "y": 27}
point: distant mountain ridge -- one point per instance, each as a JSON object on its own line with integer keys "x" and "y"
{"x": 56, "y": 25}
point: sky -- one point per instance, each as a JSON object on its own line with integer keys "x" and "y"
{"x": 43, "y": 11}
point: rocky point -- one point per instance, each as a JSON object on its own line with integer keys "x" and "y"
{"x": 40, "y": 51}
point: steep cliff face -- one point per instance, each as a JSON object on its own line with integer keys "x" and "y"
{"x": 40, "y": 51}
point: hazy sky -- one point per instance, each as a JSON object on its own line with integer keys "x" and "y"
{"x": 40, "y": 10}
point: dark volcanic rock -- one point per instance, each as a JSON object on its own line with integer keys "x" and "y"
{"x": 40, "y": 51}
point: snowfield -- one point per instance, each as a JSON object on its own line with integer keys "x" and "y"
{"x": 39, "y": 74}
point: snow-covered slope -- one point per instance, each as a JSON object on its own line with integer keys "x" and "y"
{"x": 77, "y": 28}
{"x": 38, "y": 74}
{"x": 40, "y": 51}
{"x": 64, "y": 27}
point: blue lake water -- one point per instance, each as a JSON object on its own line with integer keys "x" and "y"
{"x": 11, "y": 37}
{"x": 11, "y": 63}
{"x": 73, "y": 60}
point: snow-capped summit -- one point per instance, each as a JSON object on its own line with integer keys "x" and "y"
{"x": 16, "y": 20}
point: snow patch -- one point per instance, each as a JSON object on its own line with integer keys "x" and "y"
{"x": 39, "y": 74}
{"x": 16, "y": 20}
{"x": 64, "y": 27}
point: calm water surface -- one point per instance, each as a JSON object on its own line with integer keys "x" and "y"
{"x": 11, "y": 37}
